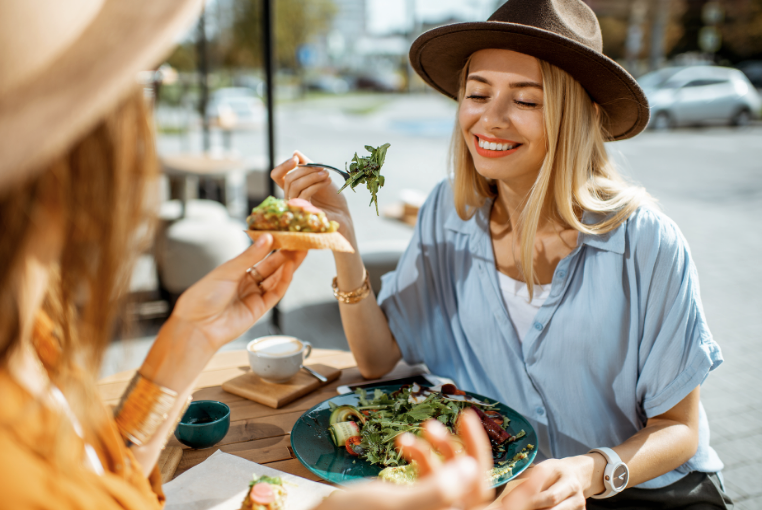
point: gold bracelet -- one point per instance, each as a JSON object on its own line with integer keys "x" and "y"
{"x": 144, "y": 407}
{"x": 354, "y": 296}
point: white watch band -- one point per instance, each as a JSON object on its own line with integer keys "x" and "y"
{"x": 615, "y": 475}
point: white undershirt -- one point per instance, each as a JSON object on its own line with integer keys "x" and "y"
{"x": 516, "y": 299}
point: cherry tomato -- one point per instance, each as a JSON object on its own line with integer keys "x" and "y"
{"x": 352, "y": 441}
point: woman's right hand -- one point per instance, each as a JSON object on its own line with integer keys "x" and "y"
{"x": 457, "y": 481}
{"x": 314, "y": 184}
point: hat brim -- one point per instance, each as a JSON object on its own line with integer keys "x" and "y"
{"x": 41, "y": 118}
{"x": 439, "y": 55}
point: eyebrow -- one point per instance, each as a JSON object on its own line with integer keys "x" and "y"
{"x": 514, "y": 85}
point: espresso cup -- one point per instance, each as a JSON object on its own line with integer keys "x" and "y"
{"x": 277, "y": 358}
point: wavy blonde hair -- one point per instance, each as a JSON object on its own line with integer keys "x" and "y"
{"x": 576, "y": 174}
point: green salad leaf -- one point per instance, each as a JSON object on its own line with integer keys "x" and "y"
{"x": 367, "y": 170}
{"x": 393, "y": 414}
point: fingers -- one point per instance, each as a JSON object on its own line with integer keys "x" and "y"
{"x": 450, "y": 485}
{"x": 558, "y": 488}
{"x": 546, "y": 486}
{"x": 440, "y": 438}
{"x": 419, "y": 451}
{"x": 233, "y": 269}
{"x": 279, "y": 172}
{"x": 299, "y": 180}
{"x": 297, "y": 257}
{"x": 475, "y": 439}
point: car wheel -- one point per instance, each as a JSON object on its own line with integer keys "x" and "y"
{"x": 742, "y": 118}
{"x": 662, "y": 121}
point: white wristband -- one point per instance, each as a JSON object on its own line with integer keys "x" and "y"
{"x": 615, "y": 476}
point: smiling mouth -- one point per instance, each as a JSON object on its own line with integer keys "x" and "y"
{"x": 496, "y": 146}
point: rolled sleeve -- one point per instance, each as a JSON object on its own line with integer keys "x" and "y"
{"x": 677, "y": 350}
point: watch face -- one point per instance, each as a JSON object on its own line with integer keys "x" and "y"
{"x": 620, "y": 477}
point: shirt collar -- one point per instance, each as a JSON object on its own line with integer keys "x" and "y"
{"x": 478, "y": 225}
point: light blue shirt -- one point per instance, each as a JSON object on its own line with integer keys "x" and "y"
{"x": 621, "y": 338}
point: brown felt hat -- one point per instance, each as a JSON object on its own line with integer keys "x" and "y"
{"x": 564, "y": 33}
{"x": 65, "y": 64}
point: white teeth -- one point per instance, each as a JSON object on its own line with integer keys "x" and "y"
{"x": 493, "y": 146}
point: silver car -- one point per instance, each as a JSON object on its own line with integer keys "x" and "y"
{"x": 695, "y": 95}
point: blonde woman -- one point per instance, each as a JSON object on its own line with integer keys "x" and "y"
{"x": 537, "y": 275}
{"x": 77, "y": 161}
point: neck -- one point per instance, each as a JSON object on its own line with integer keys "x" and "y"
{"x": 511, "y": 199}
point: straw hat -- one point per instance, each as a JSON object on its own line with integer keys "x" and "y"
{"x": 64, "y": 64}
{"x": 564, "y": 33}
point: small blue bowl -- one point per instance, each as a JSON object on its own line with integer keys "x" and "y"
{"x": 204, "y": 424}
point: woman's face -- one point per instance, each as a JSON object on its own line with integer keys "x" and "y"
{"x": 501, "y": 115}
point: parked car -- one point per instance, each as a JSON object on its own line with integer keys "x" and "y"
{"x": 753, "y": 71}
{"x": 236, "y": 108}
{"x": 328, "y": 83}
{"x": 695, "y": 95}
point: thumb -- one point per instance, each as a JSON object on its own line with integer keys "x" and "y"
{"x": 234, "y": 268}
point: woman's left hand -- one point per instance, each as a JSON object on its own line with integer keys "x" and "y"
{"x": 217, "y": 309}
{"x": 559, "y": 484}
{"x": 231, "y": 298}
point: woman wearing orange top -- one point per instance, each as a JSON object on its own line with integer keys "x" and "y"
{"x": 77, "y": 156}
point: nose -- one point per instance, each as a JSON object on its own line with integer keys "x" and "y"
{"x": 496, "y": 114}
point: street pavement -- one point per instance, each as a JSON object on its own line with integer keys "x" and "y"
{"x": 709, "y": 180}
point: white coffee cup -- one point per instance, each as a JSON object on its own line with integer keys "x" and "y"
{"x": 277, "y": 358}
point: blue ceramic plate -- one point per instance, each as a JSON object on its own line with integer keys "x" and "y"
{"x": 313, "y": 446}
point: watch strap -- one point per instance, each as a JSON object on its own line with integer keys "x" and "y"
{"x": 612, "y": 461}
{"x": 611, "y": 455}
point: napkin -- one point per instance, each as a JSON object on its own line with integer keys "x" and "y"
{"x": 221, "y": 482}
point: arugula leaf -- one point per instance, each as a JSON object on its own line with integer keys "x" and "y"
{"x": 367, "y": 169}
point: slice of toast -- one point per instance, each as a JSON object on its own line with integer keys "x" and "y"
{"x": 305, "y": 241}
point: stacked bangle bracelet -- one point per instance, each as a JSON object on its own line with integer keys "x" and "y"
{"x": 354, "y": 296}
{"x": 144, "y": 407}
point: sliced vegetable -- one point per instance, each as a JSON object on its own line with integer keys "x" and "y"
{"x": 353, "y": 446}
{"x": 495, "y": 416}
{"x": 262, "y": 494}
{"x": 341, "y": 432}
{"x": 346, "y": 413}
{"x": 496, "y": 433}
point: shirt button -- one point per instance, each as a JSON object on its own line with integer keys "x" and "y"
{"x": 537, "y": 326}
{"x": 540, "y": 411}
{"x": 561, "y": 273}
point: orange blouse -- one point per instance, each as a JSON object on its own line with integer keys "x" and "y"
{"x": 31, "y": 479}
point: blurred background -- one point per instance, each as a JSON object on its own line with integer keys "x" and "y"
{"x": 341, "y": 80}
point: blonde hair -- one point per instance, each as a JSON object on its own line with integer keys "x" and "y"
{"x": 576, "y": 174}
{"x": 100, "y": 183}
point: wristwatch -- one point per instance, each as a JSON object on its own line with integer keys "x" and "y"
{"x": 615, "y": 476}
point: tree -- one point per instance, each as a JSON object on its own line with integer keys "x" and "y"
{"x": 296, "y": 23}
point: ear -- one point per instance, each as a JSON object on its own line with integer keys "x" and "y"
{"x": 597, "y": 110}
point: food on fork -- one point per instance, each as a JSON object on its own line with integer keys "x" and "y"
{"x": 265, "y": 493}
{"x": 367, "y": 169}
{"x": 295, "y": 225}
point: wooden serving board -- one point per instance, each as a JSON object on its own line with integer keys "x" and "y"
{"x": 275, "y": 395}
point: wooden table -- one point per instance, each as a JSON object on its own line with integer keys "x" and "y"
{"x": 257, "y": 432}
